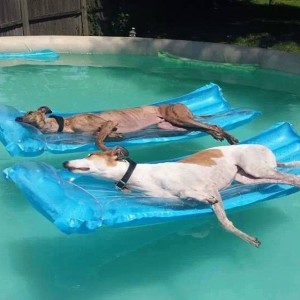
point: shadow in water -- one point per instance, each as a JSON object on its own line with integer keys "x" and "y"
{"x": 115, "y": 259}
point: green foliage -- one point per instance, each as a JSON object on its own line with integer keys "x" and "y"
{"x": 120, "y": 24}
{"x": 94, "y": 9}
{"x": 255, "y": 23}
{"x": 278, "y": 2}
{"x": 289, "y": 46}
{"x": 264, "y": 40}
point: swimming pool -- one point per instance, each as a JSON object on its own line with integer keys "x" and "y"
{"x": 181, "y": 260}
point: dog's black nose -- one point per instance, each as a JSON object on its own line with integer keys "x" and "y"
{"x": 18, "y": 119}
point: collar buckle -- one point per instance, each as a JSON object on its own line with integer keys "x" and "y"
{"x": 120, "y": 185}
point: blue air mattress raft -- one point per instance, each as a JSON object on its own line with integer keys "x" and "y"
{"x": 81, "y": 204}
{"x": 39, "y": 55}
{"x": 25, "y": 140}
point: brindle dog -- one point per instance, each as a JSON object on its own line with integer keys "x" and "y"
{"x": 115, "y": 123}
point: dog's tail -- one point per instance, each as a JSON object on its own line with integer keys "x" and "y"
{"x": 292, "y": 164}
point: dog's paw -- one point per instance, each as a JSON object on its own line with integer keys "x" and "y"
{"x": 257, "y": 243}
{"x": 231, "y": 140}
{"x": 253, "y": 241}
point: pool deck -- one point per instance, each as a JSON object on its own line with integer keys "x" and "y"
{"x": 265, "y": 58}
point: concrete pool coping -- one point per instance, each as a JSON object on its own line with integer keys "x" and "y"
{"x": 213, "y": 52}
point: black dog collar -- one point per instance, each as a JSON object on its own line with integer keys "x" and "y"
{"x": 121, "y": 184}
{"x": 60, "y": 121}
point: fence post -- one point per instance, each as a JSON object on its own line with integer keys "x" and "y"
{"x": 85, "y": 27}
{"x": 25, "y": 17}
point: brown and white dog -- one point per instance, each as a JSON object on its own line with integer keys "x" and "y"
{"x": 115, "y": 123}
{"x": 199, "y": 177}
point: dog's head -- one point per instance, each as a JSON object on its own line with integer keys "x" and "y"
{"x": 96, "y": 163}
{"x": 35, "y": 118}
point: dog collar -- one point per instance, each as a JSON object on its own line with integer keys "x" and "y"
{"x": 121, "y": 184}
{"x": 60, "y": 121}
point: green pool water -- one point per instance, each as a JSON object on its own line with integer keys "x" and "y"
{"x": 180, "y": 260}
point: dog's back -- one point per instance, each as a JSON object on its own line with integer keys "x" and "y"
{"x": 236, "y": 154}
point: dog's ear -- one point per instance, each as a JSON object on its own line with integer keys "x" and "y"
{"x": 120, "y": 152}
{"x": 44, "y": 110}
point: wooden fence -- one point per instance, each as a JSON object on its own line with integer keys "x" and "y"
{"x": 43, "y": 17}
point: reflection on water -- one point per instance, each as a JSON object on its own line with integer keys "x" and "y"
{"x": 169, "y": 261}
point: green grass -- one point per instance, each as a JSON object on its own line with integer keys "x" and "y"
{"x": 255, "y": 23}
{"x": 287, "y": 46}
{"x": 278, "y": 2}
{"x": 255, "y": 40}
{"x": 275, "y": 26}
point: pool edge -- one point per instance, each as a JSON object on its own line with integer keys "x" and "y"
{"x": 215, "y": 52}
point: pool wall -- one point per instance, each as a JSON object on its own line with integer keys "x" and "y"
{"x": 266, "y": 58}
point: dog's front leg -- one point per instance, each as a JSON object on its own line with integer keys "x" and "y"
{"x": 228, "y": 225}
{"x": 104, "y": 131}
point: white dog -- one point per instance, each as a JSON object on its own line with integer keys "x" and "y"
{"x": 199, "y": 177}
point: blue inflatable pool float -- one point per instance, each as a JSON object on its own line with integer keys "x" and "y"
{"x": 39, "y": 55}
{"x": 82, "y": 204}
{"x": 25, "y": 140}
